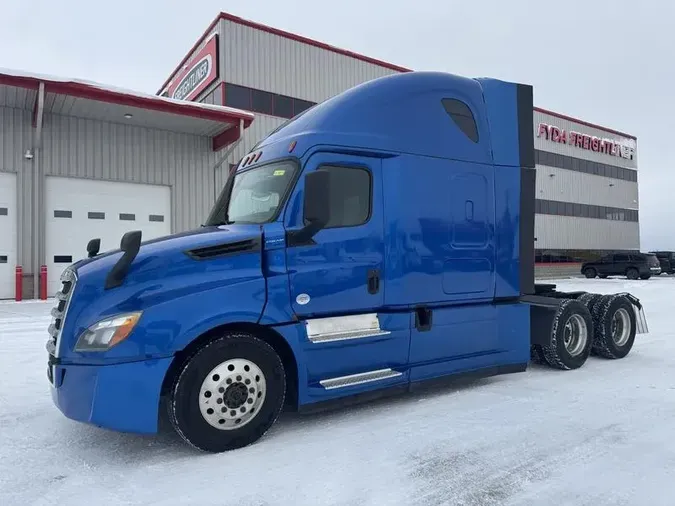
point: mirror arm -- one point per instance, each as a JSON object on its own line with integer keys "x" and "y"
{"x": 304, "y": 236}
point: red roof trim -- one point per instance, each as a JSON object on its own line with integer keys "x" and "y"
{"x": 20, "y": 82}
{"x": 91, "y": 92}
{"x": 282, "y": 33}
{"x": 586, "y": 123}
{"x": 226, "y": 138}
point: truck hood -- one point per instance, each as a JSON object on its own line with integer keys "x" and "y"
{"x": 167, "y": 249}
{"x": 184, "y": 284}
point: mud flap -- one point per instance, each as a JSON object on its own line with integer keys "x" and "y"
{"x": 640, "y": 318}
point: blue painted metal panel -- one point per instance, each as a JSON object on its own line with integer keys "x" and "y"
{"x": 123, "y": 397}
{"x": 319, "y": 361}
{"x": 334, "y": 271}
{"x": 507, "y": 231}
{"x": 440, "y": 231}
{"x": 401, "y": 113}
{"x": 278, "y": 305}
{"x": 501, "y": 106}
{"x": 466, "y": 339}
{"x": 181, "y": 297}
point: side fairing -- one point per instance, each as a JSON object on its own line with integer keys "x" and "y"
{"x": 509, "y": 114}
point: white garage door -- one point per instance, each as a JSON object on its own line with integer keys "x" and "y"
{"x": 8, "y": 236}
{"x": 82, "y": 209}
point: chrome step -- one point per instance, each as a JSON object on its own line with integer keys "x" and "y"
{"x": 358, "y": 379}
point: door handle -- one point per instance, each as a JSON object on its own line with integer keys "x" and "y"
{"x": 373, "y": 281}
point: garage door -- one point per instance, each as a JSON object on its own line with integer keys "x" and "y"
{"x": 8, "y": 238}
{"x": 81, "y": 209}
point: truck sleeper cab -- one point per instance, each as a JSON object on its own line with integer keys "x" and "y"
{"x": 382, "y": 238}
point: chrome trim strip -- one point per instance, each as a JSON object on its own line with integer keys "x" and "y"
{"x": 359, "y": 379}
{"x": 67, "y": 275}
{"x": 341, "y": 328}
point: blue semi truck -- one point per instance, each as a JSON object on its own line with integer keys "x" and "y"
{"x": 381, "y": 239}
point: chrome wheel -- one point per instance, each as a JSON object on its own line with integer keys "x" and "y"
{"x": 621, "y": 327}
{"x": 575, "y": 335}
{"x": 232, "y": 393}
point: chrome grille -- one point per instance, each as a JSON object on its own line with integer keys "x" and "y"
{"x": 59, "y": 311}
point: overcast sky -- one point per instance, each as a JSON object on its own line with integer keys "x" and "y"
{"x": 608, "y": 62}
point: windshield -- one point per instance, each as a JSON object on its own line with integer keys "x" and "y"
{"x": 255, "y": 196}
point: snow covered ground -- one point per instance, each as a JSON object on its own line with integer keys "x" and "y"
{"x": 601, "y": 435}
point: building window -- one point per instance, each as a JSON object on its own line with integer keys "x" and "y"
{"x": 96, "y": 215}
{"x": 3, "y": 259}
{"x": 3, "y": 211}
{"x": 351, "y": 196}
{"x": 585, "y": 166}
{"x": 63, "y": 214}
{"x": 301, "y": 106}
{"x": 262, "y": 102}
{"x": 127, "y": 217}
{"x": 63, "y": 259}
{"x": 462, "y": 116}
{"x": 553, "y": 207}
{"x": 156, "y": 218}
{"x": 238, "y": 96}
{"x": 283, "y": 106}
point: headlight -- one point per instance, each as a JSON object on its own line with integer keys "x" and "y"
{"x": 107, "y": 333}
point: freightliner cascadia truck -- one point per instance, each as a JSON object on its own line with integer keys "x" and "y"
{"x": 379, "y": 240}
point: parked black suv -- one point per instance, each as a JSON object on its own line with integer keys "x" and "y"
{"x": 667, "y": 260}
{"x": 631, "y": 265}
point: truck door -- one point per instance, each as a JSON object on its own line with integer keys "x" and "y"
{"x": 340, "y": 270}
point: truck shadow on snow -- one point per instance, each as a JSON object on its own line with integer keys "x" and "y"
{"x": 91, "y": 443}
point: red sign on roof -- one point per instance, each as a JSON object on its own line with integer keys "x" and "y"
{"x": 197, "y": 75}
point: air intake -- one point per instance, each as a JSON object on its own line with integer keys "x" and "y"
{"x": 220, "y": 250}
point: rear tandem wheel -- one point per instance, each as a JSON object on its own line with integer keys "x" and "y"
{"x": 571, "y": 336}
{"x": 615, "y": 326}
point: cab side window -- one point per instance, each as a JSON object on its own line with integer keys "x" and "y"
{"x": 351, "y": 196}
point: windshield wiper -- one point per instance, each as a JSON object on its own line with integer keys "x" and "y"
{"x": 219, "y": 223}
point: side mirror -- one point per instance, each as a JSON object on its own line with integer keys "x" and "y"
{"x": 317, "y": 198}
{"x": 316, "y": 207}
{"x": 93, "y": 247}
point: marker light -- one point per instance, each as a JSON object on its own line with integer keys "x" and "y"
{"x": 107, "y": 333}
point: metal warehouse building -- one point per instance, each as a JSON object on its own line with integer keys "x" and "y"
{"x": 80, "y": 160}
{"x": 587, "y": 174}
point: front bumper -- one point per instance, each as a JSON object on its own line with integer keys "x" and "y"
{"x": 123, "y": 397}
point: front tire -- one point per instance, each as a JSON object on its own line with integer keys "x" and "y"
{"x": 571, "y": 336}
{"x": 228, "y": 394}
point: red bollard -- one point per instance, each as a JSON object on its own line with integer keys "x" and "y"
{"x": 18, "y": 287}
{"x": 43, "y": 282}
